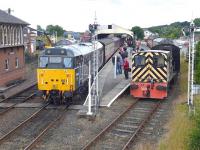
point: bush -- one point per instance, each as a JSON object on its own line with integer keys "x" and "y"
{"x": 197, "y": 63}
{"x": 194, "y": 142}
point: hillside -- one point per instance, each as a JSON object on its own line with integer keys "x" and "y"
{"x": 174, "y": 30}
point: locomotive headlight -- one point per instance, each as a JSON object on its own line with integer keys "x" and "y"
{"x": 63, "y": 81}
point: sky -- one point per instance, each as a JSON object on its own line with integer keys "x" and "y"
{"x": 76, "y": 15}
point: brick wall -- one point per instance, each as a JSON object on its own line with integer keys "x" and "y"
{"x": 13, "y": 72}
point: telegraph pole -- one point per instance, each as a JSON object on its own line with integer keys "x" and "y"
{"x": 191, "y": 68}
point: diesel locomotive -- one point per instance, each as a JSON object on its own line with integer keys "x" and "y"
{"x": 154, "y": 71}
{"x": 63, "y": 70}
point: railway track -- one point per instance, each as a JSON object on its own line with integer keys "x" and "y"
{"x": 21, "y": 97}
{"x": 27, "y": 133}
{"x": 122, "y": 131}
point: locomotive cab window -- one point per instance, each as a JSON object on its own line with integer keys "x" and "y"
{"x": 158, "y": 61}
{"x": 55, "y": 60}
{"x": 43, "y": 62}
{"x": 139, "y": 61}
{"x": 67, "y": 62}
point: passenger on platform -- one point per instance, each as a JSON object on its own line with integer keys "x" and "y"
{"x": 137, "y": 49}
{"x": 121, "y": 50}
{"x": 124, "y": 54}
{"x": 119, "y": 64}
{"x": 126, "y": 67}
{"x": 113, "y": 60}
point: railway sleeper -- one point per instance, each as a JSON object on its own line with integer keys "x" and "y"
{"x": 116, "y": 136}
{"x": 131, "y": 122}
{"x": 127, "y": 126}
{"x": 133, "y": 118}
{"x": 108, "y": 146}
{"x": 141, "y": 110}
{"x": 123, "y": 131}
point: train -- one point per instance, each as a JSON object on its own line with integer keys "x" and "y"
{"x": 154, "y": 71}
{"x": 63, "y": 71}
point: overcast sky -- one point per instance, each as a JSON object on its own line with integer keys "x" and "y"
{"x": 75, "y": 15}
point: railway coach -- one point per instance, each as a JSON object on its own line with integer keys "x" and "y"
{"x": 154, "y": 71}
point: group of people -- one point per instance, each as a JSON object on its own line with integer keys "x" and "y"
{"x": 122, "y": 62}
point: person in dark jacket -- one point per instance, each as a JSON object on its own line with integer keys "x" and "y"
{"x": 124, "y": 54}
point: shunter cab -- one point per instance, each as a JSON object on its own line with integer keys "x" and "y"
{"x": 152, "y": 71}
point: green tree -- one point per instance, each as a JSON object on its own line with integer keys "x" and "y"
{"x": 197, "y": 63}
{"x": 138, "y": 32}
{"x": 51, "y": 29}
{"x": 197, "y": 22}
{"x": 39, "y": 28}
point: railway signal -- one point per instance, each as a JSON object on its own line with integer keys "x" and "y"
{"x": 93, "y": 74}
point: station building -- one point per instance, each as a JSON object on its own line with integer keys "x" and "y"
{"x": 12, "y": 61}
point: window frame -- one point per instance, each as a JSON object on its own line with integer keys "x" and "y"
{"x": 16, "y": 62}
{"x": 140, "y": 65}
{"x": 40, "y": 61}
{"x": 6, "y": 67}
{"x": 72, "y": 63}
{"x": 160, "y": 65}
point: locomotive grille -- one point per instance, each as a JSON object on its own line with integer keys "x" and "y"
{"x": 149, "y": 70}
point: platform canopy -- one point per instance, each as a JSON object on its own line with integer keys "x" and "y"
{"x": 112, "y": 29}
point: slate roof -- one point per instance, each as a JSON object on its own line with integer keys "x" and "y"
{"x": 9, "y": 19}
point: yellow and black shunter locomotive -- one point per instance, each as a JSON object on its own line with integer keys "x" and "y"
{"x": 154, "y": 71}
{"x": 63, "y": 71}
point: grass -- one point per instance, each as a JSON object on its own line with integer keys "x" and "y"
{"x": 179, "y": 130}
{"x": 194, "y": 138}
{"x": 180, "y": 124}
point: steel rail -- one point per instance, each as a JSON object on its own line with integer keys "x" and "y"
{"x": 108, "y": 127}
{"x": 18, "y": 93}
{"x": 34, "y": 142}
{"x": 141, "y": 125}
{"x": 21, "y": 124}
{"x": 12, "y": 106}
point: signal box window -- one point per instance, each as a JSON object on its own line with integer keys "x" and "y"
{"x": 68, "y": 62}
{"x": 43, "y": 62}
{"x": 139, "y": 61}
{"x": 158, "y": 61}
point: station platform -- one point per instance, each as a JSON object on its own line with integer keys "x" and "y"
{"x": 110, "y": 88}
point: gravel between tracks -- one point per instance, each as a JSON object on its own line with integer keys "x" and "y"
{"x": 156, "y": 128}
{"x": 28, "y": 132}
{"x": 73, "y": 132}
{"x": 13, "y": 118}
